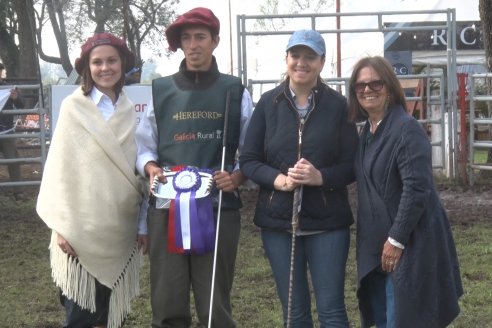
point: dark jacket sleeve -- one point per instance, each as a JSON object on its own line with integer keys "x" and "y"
{"x": 252, "y": 158}
{"x": 18, "y": 103}
{"x": 415, "y": 170}
{"x": 342, "y": 173}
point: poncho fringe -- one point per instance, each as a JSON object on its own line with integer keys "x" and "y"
{"x": 79, "y": 285}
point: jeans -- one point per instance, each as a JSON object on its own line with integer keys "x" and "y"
{"x": 381, "y": 298}
{"x": 325, "y": 254}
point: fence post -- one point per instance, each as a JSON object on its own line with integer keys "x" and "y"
{"x": 463, "y": 136}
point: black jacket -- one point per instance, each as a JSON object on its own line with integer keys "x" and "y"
{"x": 397, "y": 198}
{"x": 328, "y": 142}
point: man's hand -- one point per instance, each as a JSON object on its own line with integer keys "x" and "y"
{"x": 228, "y": 182}
{"x": 153, "y": 170}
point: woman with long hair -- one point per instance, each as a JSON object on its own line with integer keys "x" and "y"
{"x": 408, "y": 272}
{"x": 90, "y": 192}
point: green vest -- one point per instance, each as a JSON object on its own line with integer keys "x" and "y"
{"x": 190, "y": 124}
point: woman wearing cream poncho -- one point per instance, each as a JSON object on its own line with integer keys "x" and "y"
{"x": 90, "y": 194}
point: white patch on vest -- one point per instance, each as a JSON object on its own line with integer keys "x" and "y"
{"x": 208, "y": 136}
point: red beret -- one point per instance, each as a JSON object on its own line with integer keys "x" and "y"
{"x": 196, "y": 16}
{"x": 100, "y": 39}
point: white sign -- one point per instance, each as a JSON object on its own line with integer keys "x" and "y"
{"x": 140, "y": 95}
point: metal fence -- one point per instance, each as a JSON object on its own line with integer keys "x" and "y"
{"x": 480, "y": 98}
{"x": 433, "y": 100}
{"x": 439, "y": 97}
{"x": 440, "y": 100}
{"x": 31, "y": 136}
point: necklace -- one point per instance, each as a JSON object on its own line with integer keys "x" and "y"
{"x": 374, "y": 126}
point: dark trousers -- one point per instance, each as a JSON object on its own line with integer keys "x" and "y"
{"x": 172, "y": 276}
{"x": 76, "y": 317}
{"x": 9, "y": 149}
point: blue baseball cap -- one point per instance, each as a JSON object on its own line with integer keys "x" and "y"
{"x": 309, "y": 38}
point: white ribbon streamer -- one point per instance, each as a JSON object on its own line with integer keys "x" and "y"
{"x": 184, "y": 214}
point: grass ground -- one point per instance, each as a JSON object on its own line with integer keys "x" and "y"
{"x": 480, "y": 157}
{"x": 28, "y": 297}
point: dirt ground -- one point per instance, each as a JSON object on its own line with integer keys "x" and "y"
{"x": 464, "y": 205}
{"x": 467, "y": 206}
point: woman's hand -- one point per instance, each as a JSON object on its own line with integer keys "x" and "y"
{"x": 390, "y": 257}
{"x": 65, "y": 245}
{"x": 304, "y": 173}
{"x": 284, "y": 183}
{"x": 143, "y": 243}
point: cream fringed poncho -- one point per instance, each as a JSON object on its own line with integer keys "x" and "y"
{"x": 90, "y": 195}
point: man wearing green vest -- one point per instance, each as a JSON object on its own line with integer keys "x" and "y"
{"x": 183, "y": 131}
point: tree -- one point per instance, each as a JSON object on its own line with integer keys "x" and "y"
{"x": 293, "y": 7}
{"x": 54, "y": 9}
{"x": 144, "y": 23}
{"x": 8, "y": 49}
{"x": 485, "y": 10}
{"x": 141, "y": 22}
{"x": 16, "y": 23}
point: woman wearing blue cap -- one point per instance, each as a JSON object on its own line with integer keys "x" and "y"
{"x": 300, "y": 141}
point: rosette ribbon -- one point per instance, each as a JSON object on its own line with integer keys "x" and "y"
{"x": 191, "y": 226}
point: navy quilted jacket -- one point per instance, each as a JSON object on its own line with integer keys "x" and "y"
{"x": 328, "y": 141}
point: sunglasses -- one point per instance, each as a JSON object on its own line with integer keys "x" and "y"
{"x": 375, "y": 85}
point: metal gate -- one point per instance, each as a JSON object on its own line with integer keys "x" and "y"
{"x": 480, "y": 98}
{"x": 440, "y": 100}
{"x": 30, "y": 137}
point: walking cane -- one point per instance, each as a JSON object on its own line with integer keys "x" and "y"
{"x": 296, "y": 207}
{"x": 224, "y": 142}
